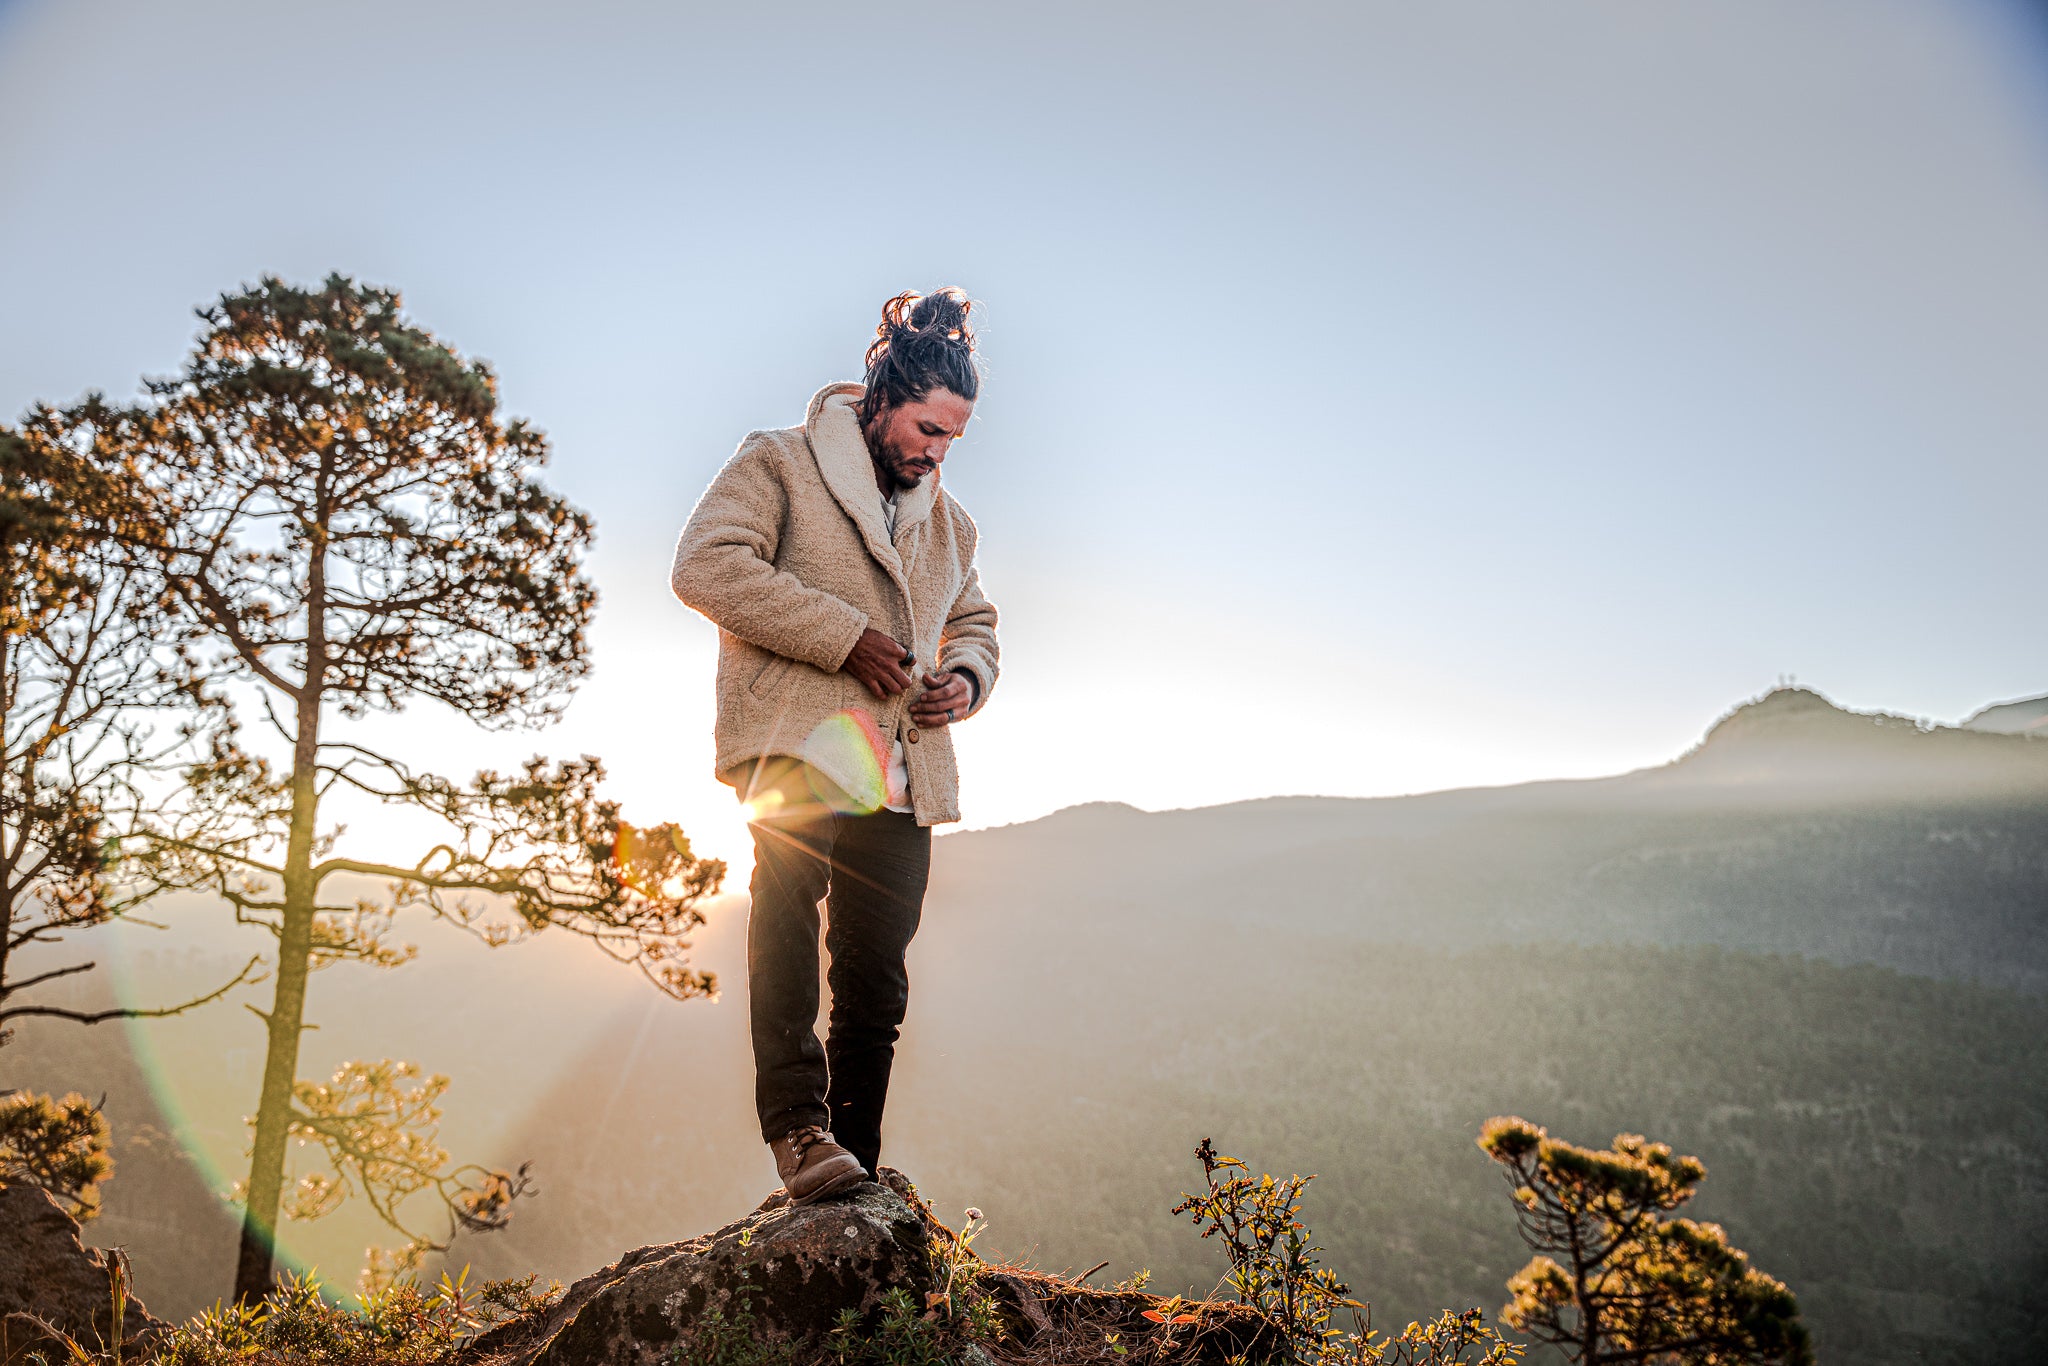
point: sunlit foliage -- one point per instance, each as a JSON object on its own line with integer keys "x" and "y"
{"x": 97, "y": 701}
{"x": 378, "y": 1124}
{"x": 1273, "y": 1266}
{"x": 58, "y": 1144}
{"x": 1634, "y": 1286}
{"x": 1276, "y": 1269}
{"x": 399, "y": 1324}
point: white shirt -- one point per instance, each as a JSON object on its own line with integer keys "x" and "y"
{"x": 897, "y": 774}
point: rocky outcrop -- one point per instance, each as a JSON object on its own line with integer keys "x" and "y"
{"x": 783, "y": 1275}
{"x": 49, "y": 1280}
{"x": 782, "y": 1278}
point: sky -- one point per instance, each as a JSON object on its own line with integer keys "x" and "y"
{"x": 1379, "y": 397}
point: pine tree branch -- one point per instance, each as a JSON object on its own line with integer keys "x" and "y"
{"x": 9, "y": 988}
{"x": 134, "y": 1012}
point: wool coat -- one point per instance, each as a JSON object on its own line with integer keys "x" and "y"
{"x": 788, "y": 554}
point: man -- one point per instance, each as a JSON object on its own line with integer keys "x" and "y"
{"x": 852, "y": 635}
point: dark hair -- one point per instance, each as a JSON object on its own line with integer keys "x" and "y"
{"x": 923, "y": 343}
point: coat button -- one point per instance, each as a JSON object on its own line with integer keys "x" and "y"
{"x": 913, "y": 737}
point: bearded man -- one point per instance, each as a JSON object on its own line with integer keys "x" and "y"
{"x": 852, "y": 635}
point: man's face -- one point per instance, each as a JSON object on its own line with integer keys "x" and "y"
{"x": 909, "y": 440}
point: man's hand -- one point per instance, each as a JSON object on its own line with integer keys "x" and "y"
{"x": 945, "y": 699}
{"x": 877, "y": 660}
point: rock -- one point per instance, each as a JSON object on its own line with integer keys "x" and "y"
{"x": 781, "y": 1277}
{"x": 785, "y": 1274}
{"x": 47, "y": 1273}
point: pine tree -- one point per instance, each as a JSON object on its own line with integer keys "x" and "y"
{"x": 1633, "y": 1286}
{"x": 97, "y": 705}
{"x": 352, "y": 527}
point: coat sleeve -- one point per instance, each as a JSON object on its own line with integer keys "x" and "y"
{"x": 968, "y": 640}
{"x": 725, "y": 568}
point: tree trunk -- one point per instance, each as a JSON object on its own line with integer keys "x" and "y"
{"x": 254, "y": 1265}
{"x": 10, "y": 855}
{"x": 255, "y": 1262}
{"x": 6, "y": 929}
{"x": 273, "y": 1112}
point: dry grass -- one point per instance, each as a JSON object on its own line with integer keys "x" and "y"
{"x": 1051, "y": 1321}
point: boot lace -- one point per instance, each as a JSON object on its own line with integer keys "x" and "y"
{"x": 801, "y": 1141}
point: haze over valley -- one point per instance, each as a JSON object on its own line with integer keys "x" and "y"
{"x": 1809, "y": 951}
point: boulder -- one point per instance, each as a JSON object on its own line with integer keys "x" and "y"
{"x": 782, "y": 1275}
{"x": 49, "y": 1279}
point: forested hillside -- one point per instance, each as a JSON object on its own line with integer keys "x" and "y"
{"x": 1793, "y": 828}
{"x": 1829, "y": 993}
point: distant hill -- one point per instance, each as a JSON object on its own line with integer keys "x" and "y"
{"x": 1801, "y": 746}
{"x": 1793, "y": 827}
{"x": 2026, "y": 717}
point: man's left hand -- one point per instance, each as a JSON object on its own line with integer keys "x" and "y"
{"x": 945, "y": 699}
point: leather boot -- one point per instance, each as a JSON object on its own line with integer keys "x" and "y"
{"x": 812, "y": 1166}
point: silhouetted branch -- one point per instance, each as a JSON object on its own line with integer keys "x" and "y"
{"x": 133, "y": 1012}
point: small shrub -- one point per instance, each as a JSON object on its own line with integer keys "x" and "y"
{"x": 60, "y": 1145}
{"x": 1639, "y": 1286}
{"x": 900, "y": 1332}
{"x": 953, "y": 1257}
{"x": 1449, "y": 1339}
{"x": 1273, "y": 1266}
{"x": 1274, "y": 1269}
{"x": 903, "y": 1336}
{"x": 401, "y": 1324}
{"x": 729, "y": 1338}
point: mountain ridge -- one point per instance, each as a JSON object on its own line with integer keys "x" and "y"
{"x": 2026, "y": 715}
{"x": 1800, "y": 724}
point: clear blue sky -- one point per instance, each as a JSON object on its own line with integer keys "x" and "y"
{"x": 1380, "y": 397}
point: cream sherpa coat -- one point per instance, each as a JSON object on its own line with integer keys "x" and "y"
{"x": 788, "y": 555}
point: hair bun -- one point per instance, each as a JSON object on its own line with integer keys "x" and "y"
{"x": 923, "y": 342}
{"x": 910, "y": 318}
{"x": 945, "y": 312}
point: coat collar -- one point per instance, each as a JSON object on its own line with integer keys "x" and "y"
{"x": 832, "y": 427}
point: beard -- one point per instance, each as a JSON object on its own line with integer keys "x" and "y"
{"x": 899, "y": 469}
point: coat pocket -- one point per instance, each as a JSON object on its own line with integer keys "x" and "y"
{"x": 770, "y": 675}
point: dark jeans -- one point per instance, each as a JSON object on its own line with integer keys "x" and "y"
{"x": 870, "y": 870}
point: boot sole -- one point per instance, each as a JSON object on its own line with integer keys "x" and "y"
{"x": 837, "y": 1185}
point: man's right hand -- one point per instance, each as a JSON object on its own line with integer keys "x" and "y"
{"x": 877, "y": 661}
